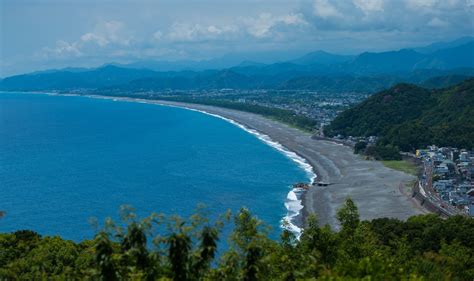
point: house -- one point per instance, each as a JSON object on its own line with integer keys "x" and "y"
{"x": 471, "y": 210}
{"x": 464, "y": 156}
{"x": 470, "y": 192}
{"x": 441, "y": 169}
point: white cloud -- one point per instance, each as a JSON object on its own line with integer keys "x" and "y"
{"x": 369, "y": 6}
{"x": 260, "y": 27}
{"x": 109, "y": 32}
{"x": 436, "y": 22}
{"x": 263, "y": 25}
{"x": 310, "y": 25}
{"x": 91, "y": 37}
{"x": 411, "y": 17}
{"x": 104, "y": 35}
{"x": 437, "y": 5}
{"x": 157, "y": 35}
{"x": 213, "y": 29}
{"x": 62, "y": 49}
{"x": 293, "y": 19}
{"x": 323, "y": 9}
{"x": 416, "y": 4}
{"x": 180, "y": 31}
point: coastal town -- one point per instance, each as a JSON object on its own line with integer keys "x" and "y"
{"x": 445, "y": 182}
{"x": 447, "y": 179}
{"x": 320, "y": 106}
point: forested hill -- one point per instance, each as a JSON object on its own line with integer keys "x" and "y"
{"x": 424, "y": 247}
{"x": 411, "y": 117}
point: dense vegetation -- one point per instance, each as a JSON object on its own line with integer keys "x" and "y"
{"x": 422, "y": 248}
{"x": 342, "y": 83}
{"x": 409, "y": 117}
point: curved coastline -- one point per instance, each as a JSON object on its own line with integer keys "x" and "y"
{"x": 294, "y": 200}
{"x": 293, "y": 203}
{"x": 373, "y": 187}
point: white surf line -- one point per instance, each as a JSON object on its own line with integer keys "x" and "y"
{"x": 293, "y": 202}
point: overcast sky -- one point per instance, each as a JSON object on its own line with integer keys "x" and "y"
{"x": 57, "y": 33}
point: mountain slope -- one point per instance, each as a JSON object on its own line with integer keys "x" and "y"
{"x": 193, "y": 81}
{"x": 343, "y": 83}
{"x": 320, "y": 71}
{"x": 64, "y": 80}
{"x": 444, "y": 81}
{"x": 321, "y": 57}
{"x": 411, "y": 117}
{"x": 386, "y": 62}
{"x": 444, "y": 45}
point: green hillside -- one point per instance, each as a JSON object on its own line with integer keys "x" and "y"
{"x": 410, "y": 117}
{"x": 424, "y": 247}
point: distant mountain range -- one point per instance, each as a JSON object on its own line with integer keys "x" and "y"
{"x": 411, "y": 117}
{"x": 318, "y": 71}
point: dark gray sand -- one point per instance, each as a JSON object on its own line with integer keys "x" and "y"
{"x": 374, "y": 187}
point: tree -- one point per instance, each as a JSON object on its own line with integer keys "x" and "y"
{"x": 103, "y": 257}
{"x": 360, "y": 147}
{"x": 178, "y": 254}
{"x": 207, "y": 250}
{"x": 424, "y": 247}
{"x": 348, "y": 217}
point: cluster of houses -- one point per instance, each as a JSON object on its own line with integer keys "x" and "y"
{"x": 452, "y": 172}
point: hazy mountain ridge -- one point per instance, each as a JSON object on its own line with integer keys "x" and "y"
{"x": 367, "y": 72}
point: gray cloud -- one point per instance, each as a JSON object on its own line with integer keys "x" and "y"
{"x": 389, "y": 15}
{"x": 42, "y": 34}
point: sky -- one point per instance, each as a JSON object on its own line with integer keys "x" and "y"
{"x": 38, "y": 35}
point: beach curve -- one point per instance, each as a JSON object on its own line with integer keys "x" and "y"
{"x": 372, "y": 186}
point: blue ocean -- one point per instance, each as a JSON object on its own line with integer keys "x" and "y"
{"x": 67, "y": 159}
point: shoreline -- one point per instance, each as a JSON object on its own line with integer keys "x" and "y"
{"x": 372, "y": 186}
{"x": 294, "y": 199}
{"x": 293, "y": 202}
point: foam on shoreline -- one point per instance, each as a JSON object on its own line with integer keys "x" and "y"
{"x": 293, "y": 202}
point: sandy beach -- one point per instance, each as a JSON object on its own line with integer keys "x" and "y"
{"x": 374, "y": 187}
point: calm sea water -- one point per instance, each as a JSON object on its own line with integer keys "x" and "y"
{"x": 66, "y": 159}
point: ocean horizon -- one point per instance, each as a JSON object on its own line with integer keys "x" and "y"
{"x": 66, "y": 159}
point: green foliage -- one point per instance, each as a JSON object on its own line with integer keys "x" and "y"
{"x": 424, "y": 247}
{"x": 348, "y": 216}
{"x": 383, "y": 152}
{"x": 360, "y": 147}
{"x": 387, "y": 152}
{"x": 392, "y": 106}
{"x": 410, "y": 117}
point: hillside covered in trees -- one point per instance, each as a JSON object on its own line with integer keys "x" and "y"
{"x": 409, "y": 117}
{"x": 158, "y": 248}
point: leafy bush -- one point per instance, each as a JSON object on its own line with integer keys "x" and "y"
{"x": 360, "y": 147}
{"x": 424, "y": 247}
